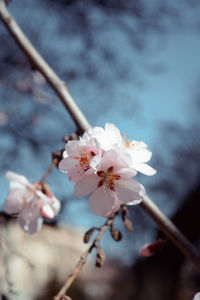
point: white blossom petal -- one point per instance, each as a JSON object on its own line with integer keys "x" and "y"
{"x": 16, "y": 180}
{"x": 55, "y": 204}
{"x": 142, "y": 156}
{"x": 145, "y": 169}
{"x": 65, "y": 155}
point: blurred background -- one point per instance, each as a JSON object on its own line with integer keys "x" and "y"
{"x": 132, "y": 63}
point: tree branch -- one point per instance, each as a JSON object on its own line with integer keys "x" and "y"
{"x": 173, "y": 234}
{"x": 171, "y": 231}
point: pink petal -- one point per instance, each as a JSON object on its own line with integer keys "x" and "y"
{"x": 40, "y": 196}
{"x": 72, "y": 147}
{"x": 14, "y": 201}
{"x": 112, "y": 158}
{"x": 56, "y": 205}
{"x": 126, "y": 172}
{"x": 68, "y": 164}
{"x": 103, "y": 202}
{"x": 129, "y": 191}
{"x": 46, "y": 211}
{"x": 30, "y": 219}
{"x": 86, "y": 185}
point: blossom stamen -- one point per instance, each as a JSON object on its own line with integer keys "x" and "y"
{"x": 84, "y": 159}
{"x": 108, "y": 178}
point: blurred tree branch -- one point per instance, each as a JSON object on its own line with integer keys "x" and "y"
{"x": 82, "y": 124}
{"x": 40, "y": 64}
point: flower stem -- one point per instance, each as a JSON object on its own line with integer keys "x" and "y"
{"x": 46, "y": 174}
{"x": 83, "y": 258}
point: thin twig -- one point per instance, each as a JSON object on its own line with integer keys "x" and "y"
{"x": 34, "y": 93}
{"x": 82, "y": 123}
{"x": 46, "y": 174}
{"x": 83, "y": 259}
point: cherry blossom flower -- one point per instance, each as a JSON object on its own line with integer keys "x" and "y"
{"x": 110, "y": 186}
{"x": 111, "y": 138}
{"x": 139, "y": 155}
{"x": 80, "y": 158}
{"x": 29, "y": 202}
{"x": 102, "y": 163}
{"x": 107, "y": 139}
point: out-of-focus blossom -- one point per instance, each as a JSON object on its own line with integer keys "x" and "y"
{"x": 102, "y": 163}
{"x": 197, "y": 296}
{"x": 151, "y": 249}
{"x": 3, "y": 118}
{"x": 29, "y": 202}
{"x": 110, "y": 186}
{"x": 38, "y": 78}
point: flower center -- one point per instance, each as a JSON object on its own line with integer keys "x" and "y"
{"x": 108, "y": 178}
{"x": 83, "y": 159}
{"x": 127, "y": 142}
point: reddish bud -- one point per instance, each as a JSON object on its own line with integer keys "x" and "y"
{"x": 151, "y": 249}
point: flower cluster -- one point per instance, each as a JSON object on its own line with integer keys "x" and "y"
{"x": 102, "y": 164}
{"x": 31, "y": 202}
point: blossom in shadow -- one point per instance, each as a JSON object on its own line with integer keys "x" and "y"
{"x": 31, "y": 202}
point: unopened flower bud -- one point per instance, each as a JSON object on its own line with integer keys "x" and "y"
{"x": 128, "y": 224}
{"x": 125, "y": 212}
{"x": 100, "y": 258}
{"x": 151, "y": 249}
{"x": 116, "y": 234}
{"x": 88, "y": 234}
